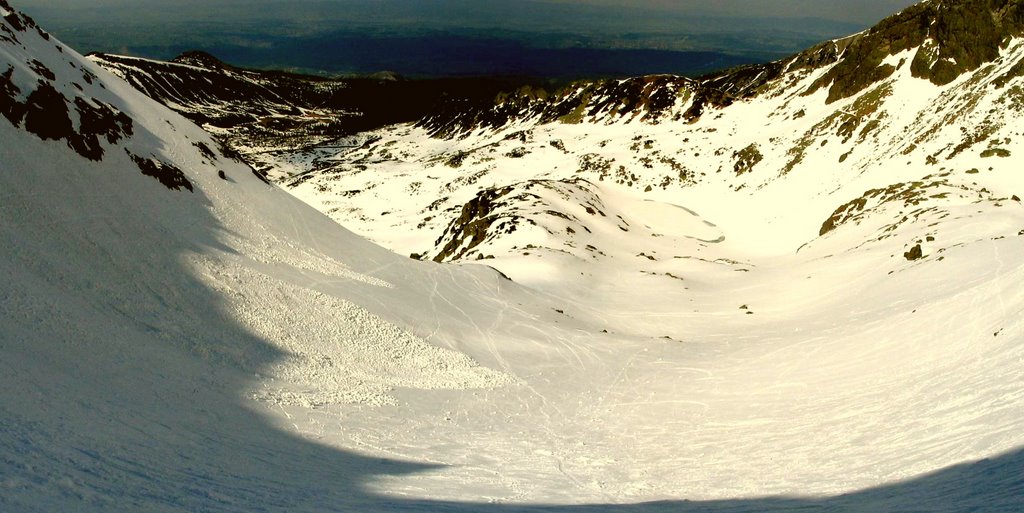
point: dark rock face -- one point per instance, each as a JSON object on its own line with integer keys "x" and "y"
{"x": 167, "y": 174}
{"x": 952, "y": 37}
{"x": 13, "y": 19}
{"x": 748, "y": 81}
{"x": 10, "y": 107}
{"x": 915, "y": 253}
{"x": 46, "y": 114}
{"x": 472, "y": 226}
{"x": 205, "y": 151}
{"x": 273, "y": 106}
{"x": 969, "y": 34}
{"x": 746, "y": 159}
{"x": 201, "y": 60}
{"x": 16, "y": 22}
{"x": 203, "y": 82}
{"x": 500, "y": 211}
{"x": 42, "y": 70}
{"x": 7, "y": 34}
{"x": 45, "y": 111}
{"x": 50, "y": 115}
{"x": 96, "y": 120}
{"x": 650, "y": 98}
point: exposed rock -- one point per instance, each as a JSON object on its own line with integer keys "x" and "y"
{"x": 280, "y": 109}
{"x": 205, "y": 151}
{"x": 167, "y": 174}
{"x": 915, "y": 253}
{"x": 41, "y": 70}
{"x": 10, "y": 107}
{"x": 909, "y": 195}
{"x": 951, "y": 38}
{"x": 471, "y": 227}
{"x": 746, "y": 159}
{"x": 46, "y": 114}
{"x": 201, "y": 60}
{"x": 517, "y": 153}
{"x": 650, "y": 98}
{"x": 98, "y": 119}
{"x": 995, "y": 152}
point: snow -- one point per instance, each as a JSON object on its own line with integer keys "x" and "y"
{"x": 233, "y": 349}
{"x": 840, "y": 378}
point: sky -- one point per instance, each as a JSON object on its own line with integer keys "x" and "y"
{"x": 462, "y": 37}
{"x": 852, "y": 11}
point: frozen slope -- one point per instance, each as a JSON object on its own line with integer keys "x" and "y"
{"x": 227, "y": 348}
{"x": 143, "y": 325}
{"x": 824, "y": 248}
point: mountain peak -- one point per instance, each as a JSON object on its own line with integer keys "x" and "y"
{"x": 17, "y": 22}
{"x": 200, "y": 59}
{"x": 948, "y": 38}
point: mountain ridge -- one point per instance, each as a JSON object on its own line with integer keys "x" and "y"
{"x": 777, "y": 305}
{"x": 253, "y": 111}
{"x": 691, "y": 108}
{"x": 860, "y": 56}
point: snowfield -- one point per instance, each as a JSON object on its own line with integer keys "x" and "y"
{"x": 707, "y": 346}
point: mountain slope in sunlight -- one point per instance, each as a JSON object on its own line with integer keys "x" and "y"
{"x": 157, "y": 291}
{"x": 179, "y": 335}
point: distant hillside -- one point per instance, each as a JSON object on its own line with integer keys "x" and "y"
{"x": 442, "y": 38}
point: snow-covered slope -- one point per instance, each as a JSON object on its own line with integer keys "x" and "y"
{"x": 157, "y": 292}
{"x": 179, "y": 335}
{"x": 830, "y": 189}
{"x": 264, "y": 114}
{"x": 791, "y": 141}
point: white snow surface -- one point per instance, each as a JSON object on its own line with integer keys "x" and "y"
{"x": 233, "y": 349}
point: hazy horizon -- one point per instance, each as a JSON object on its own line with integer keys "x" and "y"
{"x": 563, "y": 38}
{"x": 850, "y": 11}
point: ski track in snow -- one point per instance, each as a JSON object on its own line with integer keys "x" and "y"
{"x": 231, "y": 349}
{"x": 833, "y": 384}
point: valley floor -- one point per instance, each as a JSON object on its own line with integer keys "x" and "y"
{"x": 177, "y": 334}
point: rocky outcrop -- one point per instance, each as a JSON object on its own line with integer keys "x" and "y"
{"x": 949, "y": 38}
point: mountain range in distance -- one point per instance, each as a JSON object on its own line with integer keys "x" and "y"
{"x": 785, "y": 287}
{"x": 364, "y": 38}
